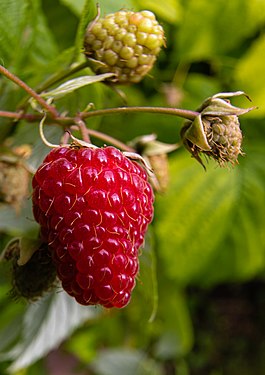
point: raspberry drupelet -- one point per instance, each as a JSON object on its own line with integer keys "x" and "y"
{"x": 94, "y": 206}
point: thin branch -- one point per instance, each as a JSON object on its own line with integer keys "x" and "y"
{"x": 21, "y": 116}
{"x": 184, "y": 113}
{"x": 83, "y": 129}
{"x": 53, "y": 112}
{"x": 106, "y": 138}
{"x": 65, "y": 120}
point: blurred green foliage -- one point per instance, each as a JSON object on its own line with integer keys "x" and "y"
{"x": 208, "y": 229}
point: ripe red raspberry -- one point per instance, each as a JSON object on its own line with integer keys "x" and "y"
{"x": 94, "y": 206}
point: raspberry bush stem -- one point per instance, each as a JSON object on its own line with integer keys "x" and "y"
{"x": 65, "y": 120}
{"x": 83, "y": 129}
{"x": 51, "y": 110}
{"x": 106, "y": 138}
{"x": 19, "y": 116}
{"x": 184, "y": 113}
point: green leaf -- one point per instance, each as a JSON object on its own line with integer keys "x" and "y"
{"x": 76, "y": 6}
{"x": 198, "y": 87}
{"x": 26, "y": 133}
{"x": 147, "y": 288}
{"x": 241, "y": 253}
{"x": 171, "y": 13}
{"x": 45, "y": 325}
{"x": 43, "y": 47}
{"x": 57, "y": 17}
{"x": 10, "y": 313}
{"x": 210, "y": 225}
{"x": 249, "y": 67}
{"x": 9, "y": 334}
{"x": 107, "y": 7}
{"x": 192, "y": 217}
{"x": 30, "y": 46}
{"x": 176, "y": 340}
{"x": 53, "y": 72}
{"x": 13, "y": 17}
{"x": 30, "y": 41}
{"x": 124, "y": 362}
{"x": 75, "y": 84}
{"x": 213, "y": 28}
{"x": 256, "y": 14}
{"x": 17, "y": 224}
{"x": 83, "y": 343}
{"x": 88, "y": 14}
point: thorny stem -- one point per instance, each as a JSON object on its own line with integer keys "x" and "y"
{"x": 30, "y": 91}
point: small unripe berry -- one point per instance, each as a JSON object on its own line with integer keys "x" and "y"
{"x": 124, "y": 43}
{"x": 215, "y": 131}
{"x": 225, "y": 138}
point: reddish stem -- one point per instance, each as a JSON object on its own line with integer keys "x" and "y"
{"x": 53, "y": 112}
{"x": 83, "y": 129}
{"x": 184, "y": 113}
{"x": 20, "y": 115}
{"x": 106, "y": 138}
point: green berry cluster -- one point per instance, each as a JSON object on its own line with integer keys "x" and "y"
{"x": 124, "y": 43}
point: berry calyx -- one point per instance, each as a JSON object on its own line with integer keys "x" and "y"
{"x": 94, "y": 207}
{"x": 124, "y": 43}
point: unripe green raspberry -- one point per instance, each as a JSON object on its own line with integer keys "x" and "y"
{"x": 221, "y": 134}
{"x": 224, "y": 137}
{"x": 124, "y": 43}
{"x": 215, "y": 131}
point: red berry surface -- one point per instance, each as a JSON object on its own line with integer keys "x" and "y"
{"x": 93, "y": 206}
